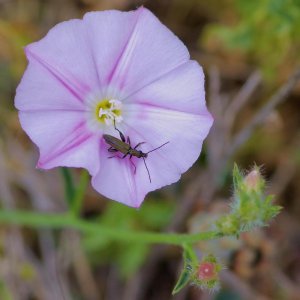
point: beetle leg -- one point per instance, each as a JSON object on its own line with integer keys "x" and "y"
{"x": 133, "y": 166}
{"x": 139, "y": 144}
{"x": 125, "y": 155}
{"x": 117, "y": 156}
{"x": 111, "y": 149}
{"x": 121, "y": 136}
{"x": 128, "y": 141}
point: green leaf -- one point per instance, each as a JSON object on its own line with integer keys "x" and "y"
{"x": 189, "y": 258}
{"x": 237, "y": 177}
{"x": 74, "y": 195}
{"x": 69, "y": 185}
{"x": 182, "y": 281}
{"x": 78, "y": 197}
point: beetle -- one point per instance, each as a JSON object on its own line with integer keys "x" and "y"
{"x": 123, "y": 146}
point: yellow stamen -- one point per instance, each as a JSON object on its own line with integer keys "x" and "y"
{"x": 107, "y": 111}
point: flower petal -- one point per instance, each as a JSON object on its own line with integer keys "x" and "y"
{"x": 135, "y": 48}
{"x": 40, "y": 90}
{"x": 108, "y": 32}
{"x": 185, "y": 133}
{"x": 115, "y": 179}
{"x": 155, "y": 126}
{"x": 182, "y": 90}
{"x": 62, "y": 138}
{"x": 65, "y": 53}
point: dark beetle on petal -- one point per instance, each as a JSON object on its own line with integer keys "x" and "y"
{"x": 123, "y": 146}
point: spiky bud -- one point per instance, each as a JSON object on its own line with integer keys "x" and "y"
{"x": 206, "y": 273}
{"x": 253, "y": 180}
{"x": 250, "y": 206}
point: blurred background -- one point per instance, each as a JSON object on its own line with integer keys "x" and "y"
{"x": 250, "y": 52}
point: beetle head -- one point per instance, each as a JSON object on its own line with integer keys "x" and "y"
{"x": 142, "y": 154}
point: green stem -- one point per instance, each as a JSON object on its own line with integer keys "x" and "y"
{"x": 57, "y": 221}
{"x": 69, "y": 185}
{"x": 79, "y": 193}
{"x": 74, "y": 194}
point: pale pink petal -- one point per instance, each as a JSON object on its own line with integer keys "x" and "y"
{"x": 135, "y": 48}
{"x": 115, "y": 179}
{"x": 66, "y": 54}
{"x": 181, "y": 90}
{"x": 82, "y": 152}
{"x": 185, "y": 133}
{"x": 155, "y": 126}
{"x": 62, "y": 138}
{"x": 40, "y": 90}
{"x": 108, "y": 33}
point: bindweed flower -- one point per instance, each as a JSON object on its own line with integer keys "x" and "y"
{"x": 114, "y": 67}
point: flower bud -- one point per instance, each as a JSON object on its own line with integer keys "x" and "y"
{"x": 254, "y": 180}
{"x": 206, "y": 273}
{"x": 251, "y": 180}
{"x": 250, "y": 206}
{"x": 228, "y": 224}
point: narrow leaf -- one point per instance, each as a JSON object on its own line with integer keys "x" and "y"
{"x": 189, "y": 258}
{"x": 79, "y": 193}
{"x": 237, "y": 177}
{"x": 182, "y": 281}
{"x": 68, "y": 185}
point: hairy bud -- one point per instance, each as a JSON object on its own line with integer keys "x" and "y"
{"x": 250, "y": 207}
{"x": 206, "y": 273}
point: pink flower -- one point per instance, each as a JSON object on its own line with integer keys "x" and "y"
{"x": 122, "y": 66}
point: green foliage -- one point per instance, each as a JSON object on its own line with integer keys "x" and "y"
{"x": 207, "y": 280}
{"x": 4, "y": 292}
{"x": 130, "y": 257}
{"x": 183, "y": 280}
{"x": 189, "y": 259}
{"x": 12, "y": 61}
{"x": 203, "y": 273}
{"x": 250, "y": 207}
{"x": 74, "y": 195}
{"x": 68, "y": 185}
{"x": 27, "y": 271}
{"x": 268, "y": 31}
{"x": 153, "y": 215}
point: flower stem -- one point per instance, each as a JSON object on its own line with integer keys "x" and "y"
{"x": 69, "y": 184}
{"x": 74, "y": 194}
{"x": 79, "y": 193}
{"x": 57, "y": 221}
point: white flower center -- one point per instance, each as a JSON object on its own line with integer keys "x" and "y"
{"x": 109, "y": 113}
{"x": 103, "y": 111}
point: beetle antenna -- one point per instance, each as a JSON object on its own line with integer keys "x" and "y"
{"x": 147, "y": 169}
{"x": 158, "y": 147}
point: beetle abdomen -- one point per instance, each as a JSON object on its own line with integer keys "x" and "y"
{"x": 116, "y": 143}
